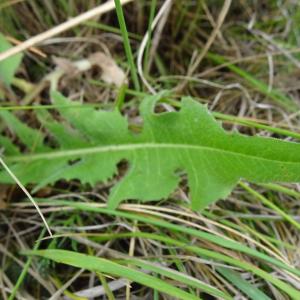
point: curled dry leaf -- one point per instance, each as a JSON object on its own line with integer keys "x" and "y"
{"x": 66, "y": 66}
{"x": 111, "y": 72}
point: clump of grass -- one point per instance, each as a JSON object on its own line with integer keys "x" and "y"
{"x": 245, "y": 246}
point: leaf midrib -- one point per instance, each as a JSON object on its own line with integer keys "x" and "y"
{"x": 133, "y": 147}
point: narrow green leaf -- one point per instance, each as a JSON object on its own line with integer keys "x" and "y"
{"x": 26, "y": 267}
{"x": 201, "y": 252}
{"x": 127, "y": 46}
{"x": 274, "y": 94}
{"x": 251, "y": 291}
{"x": 96, "y": 264}
{"x": 218, "y": 240}
{"x": 180, "y": 277}
{"x": 271, "y": 205}
{"x": 9, "y": 66}
{"x": 164, "y": 271}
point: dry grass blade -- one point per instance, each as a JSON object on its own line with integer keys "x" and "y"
{"x": 101, "y": 9}
{"x": 145, "y": 40}
{"x": 209, "y": 42}
{"x": 17, "y": 181}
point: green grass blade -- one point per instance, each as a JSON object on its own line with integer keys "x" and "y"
{"x": 271, "y": 205}
{"x": 23, "y": 274}
{"x": 201, "y": 252}
{"x": 127, "y": 46}
{"x": 108, "y": 28}
{"x": 251, "y": 291}
{"x": 221, "y": 241}
{"x": 96, "y": 264}
{"x": 175, "y": 275}
{"x": 276, "y": 95}
{"x": 250, "y": 123}
{"x": 151, "y": 18}
{"x": 281, "y": 189}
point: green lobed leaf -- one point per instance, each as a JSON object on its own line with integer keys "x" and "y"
{"x": 189, "y": 140}
{"x": 9, "y": 66}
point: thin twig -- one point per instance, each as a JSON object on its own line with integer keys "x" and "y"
{"x": 103, "y": 8}
{"x": 17, "y": 181}
{"x": 126, "y": 43}
{"x": 209, "y": 42}
{"x": 143, "y": 45}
